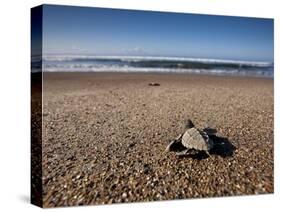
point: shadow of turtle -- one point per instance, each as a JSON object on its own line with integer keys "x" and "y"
{"x": 222, "y": 147}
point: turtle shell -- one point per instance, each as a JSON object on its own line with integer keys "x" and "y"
{"x": 195, "y": 139}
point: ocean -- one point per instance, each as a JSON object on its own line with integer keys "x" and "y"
{"x": 83, "y": 63}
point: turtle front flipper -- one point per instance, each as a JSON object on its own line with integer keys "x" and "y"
{"x": 168, "y": 148}
{"x": 188, "y": 124}
{"x": 173, "y": 143}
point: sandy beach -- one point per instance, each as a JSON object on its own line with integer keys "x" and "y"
{"x": 104, "y": 136}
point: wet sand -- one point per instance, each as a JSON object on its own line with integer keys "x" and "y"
{"x": 104, "y": 135}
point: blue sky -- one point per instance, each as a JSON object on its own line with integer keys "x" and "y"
{"x": 98, "y": 31}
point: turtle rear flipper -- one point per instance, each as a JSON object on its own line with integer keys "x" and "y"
{"x": 182, "y": 153}
{"x": 190, "y": 152}
{"x": 208, "y": 153}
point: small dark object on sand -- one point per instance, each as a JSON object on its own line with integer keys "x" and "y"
{"x": 192, "y": 139}
{"x": 154, "y": 84}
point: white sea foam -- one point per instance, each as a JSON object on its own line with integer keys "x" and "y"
{"x": 148, "y": 58}
{"x": 85, "y": 68}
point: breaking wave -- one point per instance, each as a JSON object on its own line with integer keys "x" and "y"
{"x": 83, "y": 63}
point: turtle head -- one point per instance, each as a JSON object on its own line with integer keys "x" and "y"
{"x": 210, "y": 131}
{"x": 209, "y": 128}
{"x": 188, "y": 124}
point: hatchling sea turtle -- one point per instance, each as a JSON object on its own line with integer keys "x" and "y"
{"x": 192, "y": 139}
